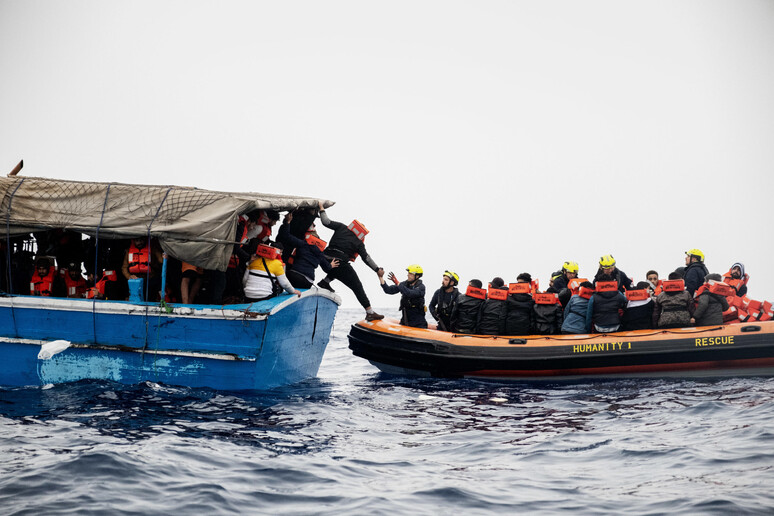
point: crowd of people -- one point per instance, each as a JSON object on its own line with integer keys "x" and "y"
{"x": 261, "y": 268}
{"x": 610, "y": 302}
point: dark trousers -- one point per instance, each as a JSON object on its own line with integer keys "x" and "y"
{"x": 347, "y": 275}
{"x": 297, "y": 280}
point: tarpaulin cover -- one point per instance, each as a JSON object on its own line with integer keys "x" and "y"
{"x": 193, "y": 225}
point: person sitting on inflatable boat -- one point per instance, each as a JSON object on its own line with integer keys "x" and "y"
{"x": 606, "y": 305}
{"x": 710, "y": 304}
{"x": 674, "y": 306}
{"x": 412, "y": 295}
{"x": 737, "y": 279}
{"x": 494, "y": 310}
{"x": 519, "y": 318}
{"x": 467, "y": 311}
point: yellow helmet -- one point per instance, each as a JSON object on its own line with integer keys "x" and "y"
{"x": 607, "y": 261}
{"x": 452, "y": 276}
{"x": 570, "y": 267}
{"x": 414, "y": 268}
{"x": 695, "y": 252}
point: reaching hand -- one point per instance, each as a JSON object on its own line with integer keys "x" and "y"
{"x": 392, "y": 278}
{"x": 288, "y": 218}
{"x": 335, "y": 263}
{"x": 380, "y": 272}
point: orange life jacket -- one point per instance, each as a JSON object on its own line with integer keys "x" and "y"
{"x": 478, "y": 293}
{"x": 716, "y": 287}
{"x": 499, "y": 294}
{"x": 139, "y": 259}
{"x": 268, "y": 252}
{"x": 574, "y": 284}
{"x": 606, "y": 286}
{"x": 312, "y": 240}
{"x": 358, "y": 229}
{"x": 42, "y": 286}
{"x": 546, "y": 299}
{"x": 75, "y": 287}
{"x": 99, "y": 287}
{"x": 736, "y": 283}
{"x": 637, "y": 295}
{"x": 233, "y": 262}
{"x": 677, "y": 285}
{"x": 585, "y": 292}
{"x": 185, "y": 266}
{"x": 519, "y": 288}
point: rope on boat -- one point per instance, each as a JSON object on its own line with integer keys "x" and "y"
{"x": 8, "y": 254}
{"x": 569, "y": 337}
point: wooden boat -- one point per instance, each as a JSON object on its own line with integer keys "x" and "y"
{"x": 743, "y": 349}
{"x": 46, "y": 340}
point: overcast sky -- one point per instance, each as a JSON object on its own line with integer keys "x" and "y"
{"x": 491, "y": 138}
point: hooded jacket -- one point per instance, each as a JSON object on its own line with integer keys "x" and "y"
{"x": 547, "y": 319}
{"x": 465, "y": 314}
{"x": 604, "y": 307}
{"x": 577, "y": 317}
{"x": 709, "y": 309}
{"x": 694, "y": 276}
{"x": 493, "y": 315}
{"x": 518, "y": 318}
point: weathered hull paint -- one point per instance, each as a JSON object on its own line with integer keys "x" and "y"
{"x": 239, "y": 347}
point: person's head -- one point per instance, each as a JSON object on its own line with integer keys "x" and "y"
{"x": 713, "y": 277}
{"x": 475, "y": 283}
{"x": 675, "y": 275}
{"x": 140, "y": 242}
{"x": 450, "y": 279}
{"x": 414, "y": 272}
{"x": 607, "y": 264}
{"x": 641, "y": 285}
{"x": 606, "y": 277}
{"x": 554, "y": 275}
{"x": 270, "y": 217}
{"x": 680, "y": 271}
{"x": 74, "y": 270}
{"x": 497, "y": 282}
{"x": 693, "y": 256}
{"x": 524, "y": 277}
{"x": 737, "y": 270}
{"x": 42, "y": 265}
{"x": 587, "y": 284}
{"x": 570, "y": 269}
{"x": 652, "y": 276}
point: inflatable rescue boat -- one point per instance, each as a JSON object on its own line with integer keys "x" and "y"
{"x": 742, "y": 349}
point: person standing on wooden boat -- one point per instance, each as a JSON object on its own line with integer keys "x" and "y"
{"x": 346, "y": 245}
{"x": 307, "y": 254}
{"x": 75, "y": 283}
{"x": 695, "y": 270}
{"x": 412, "y": 295}
{"x": 639, "y": 308}
{"x": 606, "y": 305}
{"x": 577, "y": 316}
{"x": 709, "y": 305}
{"x": 444, "y": 300}
{"x": 519, "y": 318}
{"x": 45, "y": 280}
{"x": 737, "y": 279}
{"x": 265, "y": 275}
{"x": 144, "y": 261}
{"x": 494, "y": 311}
{"x": 467, "y": 311}
{"x": 674, "y": 306}
{"x": 607, "y": 266}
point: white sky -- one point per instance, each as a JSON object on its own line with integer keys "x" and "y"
{"x": 491, "y": 138}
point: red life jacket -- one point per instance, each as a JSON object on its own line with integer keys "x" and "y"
{"x": 42, "y": 286}
{"x": 99, "y": 288}
{"x": 546, "y": 299}
{"x": 139, "y": 259}
{"x": 736, "y": 283}
{"x": 75, "y": 287}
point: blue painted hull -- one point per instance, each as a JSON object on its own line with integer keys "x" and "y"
{"x": 259, "y": 346}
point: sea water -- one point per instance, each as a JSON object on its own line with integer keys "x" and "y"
{"x": 355, "y": 441}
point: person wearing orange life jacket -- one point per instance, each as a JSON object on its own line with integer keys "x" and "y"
{"x": 190, "y": 283}
{"x": 674, "y": 306}
{"x": 607, "y": 265}
{"x": 654, "y": 284}
{"x": 467, "y": 310}
{"x": 307, "y": 254}
{"x": 75, "y": 283}
{"x": 606, "y": 306}
{"x": 519, "y": 316}
{"x": 577, "y": 315}
{"x": 346, "y": 244}
{"x": 265, "y": 275}
{"x": 102, "y": 288}
{"x": 547, "y": 314}
{"x": 45, "y": 281}
{"x": 639, "y": 308}
{"x": 737, "y": 279}
{"x": 143, "y": 261}
{"x": 709, "y": 305}
{"x": 494, "y": 311}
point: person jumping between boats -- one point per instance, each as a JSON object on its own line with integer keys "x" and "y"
{"x": 607, "y": 266}
{"x": 467, "y": 311}
{"x": 444, "y": 300}
{"x": 265, "y": 275}
{"x": 412, "y": 295}
{"x": 307, "y": 254}
{"x": 346, "y": 244}
{"x": 695, "y": 270}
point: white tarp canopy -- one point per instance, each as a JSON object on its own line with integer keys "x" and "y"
{"x": 193, "y": 225}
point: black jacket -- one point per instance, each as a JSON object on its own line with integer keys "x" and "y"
{"x": 307, "y": 256}
{"x": 518, "y": 318}
{"x": 493, "y": 315}
{"x": 605, "y": 306}
{"x": 638, "y": 316}
{"x": 344, "y": 244}
{"x": 709, "y": 309}
{"x": 441, "y": 307}
{"x": 694, "y": 276}
{"x": 466, "y": 314}
{"x": 547, "y": 319}
{"x": 412, "y": 302}
{"x": 624, "y": 281}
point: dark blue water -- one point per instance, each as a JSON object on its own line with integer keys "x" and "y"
{"x": 356, "y": 442}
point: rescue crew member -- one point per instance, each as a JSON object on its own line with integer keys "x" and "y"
{"x": 444, "y": 300}
{"x": 45, "y": 281}
{"x": 75, "y": 283}
{"x": 347, "y": 244}
{"x": 561, "y": 283}
{"x": 144, "y": 261}
{"x": 695, "y": 270}
{"x": 412, "y": 295}
{"x": 737, "y": 279}
{"x": 467, "y": 311}
{"x": 607, "y": 266}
